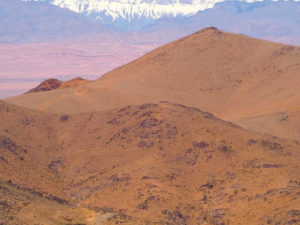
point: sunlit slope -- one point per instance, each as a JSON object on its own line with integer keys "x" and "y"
{"x": 230, "y": 75}
{"x": 151, "y": 164}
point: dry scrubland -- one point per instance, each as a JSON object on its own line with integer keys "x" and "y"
{"x": 138, "y": 146}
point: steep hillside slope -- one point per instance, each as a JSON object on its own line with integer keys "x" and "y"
{"x": 233, "y": 76}
{"x": 148, "y": 164}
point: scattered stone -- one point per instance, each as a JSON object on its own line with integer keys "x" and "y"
{"x": 64, "y": 118}
{"x": 201, "y": 144}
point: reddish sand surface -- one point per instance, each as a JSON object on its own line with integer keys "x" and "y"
{"x": 24, "y": 66}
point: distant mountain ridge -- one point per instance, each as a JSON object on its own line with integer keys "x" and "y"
{"x": 128, "y": 9}
{"x": 134, "y": 15}
{"x": 270, "y": 20}
{"x": 36, "y": 21}
{"x": 170, "y": 19}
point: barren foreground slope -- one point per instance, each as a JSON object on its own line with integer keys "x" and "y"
{"x": 248, "y": 81}
{"x": 147, "y": 164}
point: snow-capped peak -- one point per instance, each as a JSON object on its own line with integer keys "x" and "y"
{"x": 112, "y": 11}
{"x": 130, "y": 9}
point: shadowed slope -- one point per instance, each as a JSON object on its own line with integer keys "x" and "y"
{"x": 47, "y": 85}
{"x": 24, "y": 206}
{"x": 154, "y": 164}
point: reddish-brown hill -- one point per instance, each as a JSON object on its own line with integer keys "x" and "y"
{"x": 108, "y": 156}
{"x": 248, "y": 81}
{"x": 147, "y": 164}
{"x": 52, "y": 84}
{"x": 47, "y": 85}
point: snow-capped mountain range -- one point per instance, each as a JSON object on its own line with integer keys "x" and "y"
{"x": 132, "y": 9}
{"x": 110, "y": 11}
{"x": 159, "y": 20}
{"x": 135, "y": 14}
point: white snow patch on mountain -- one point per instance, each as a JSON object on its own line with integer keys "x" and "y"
{"x": 132, "y": 9}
